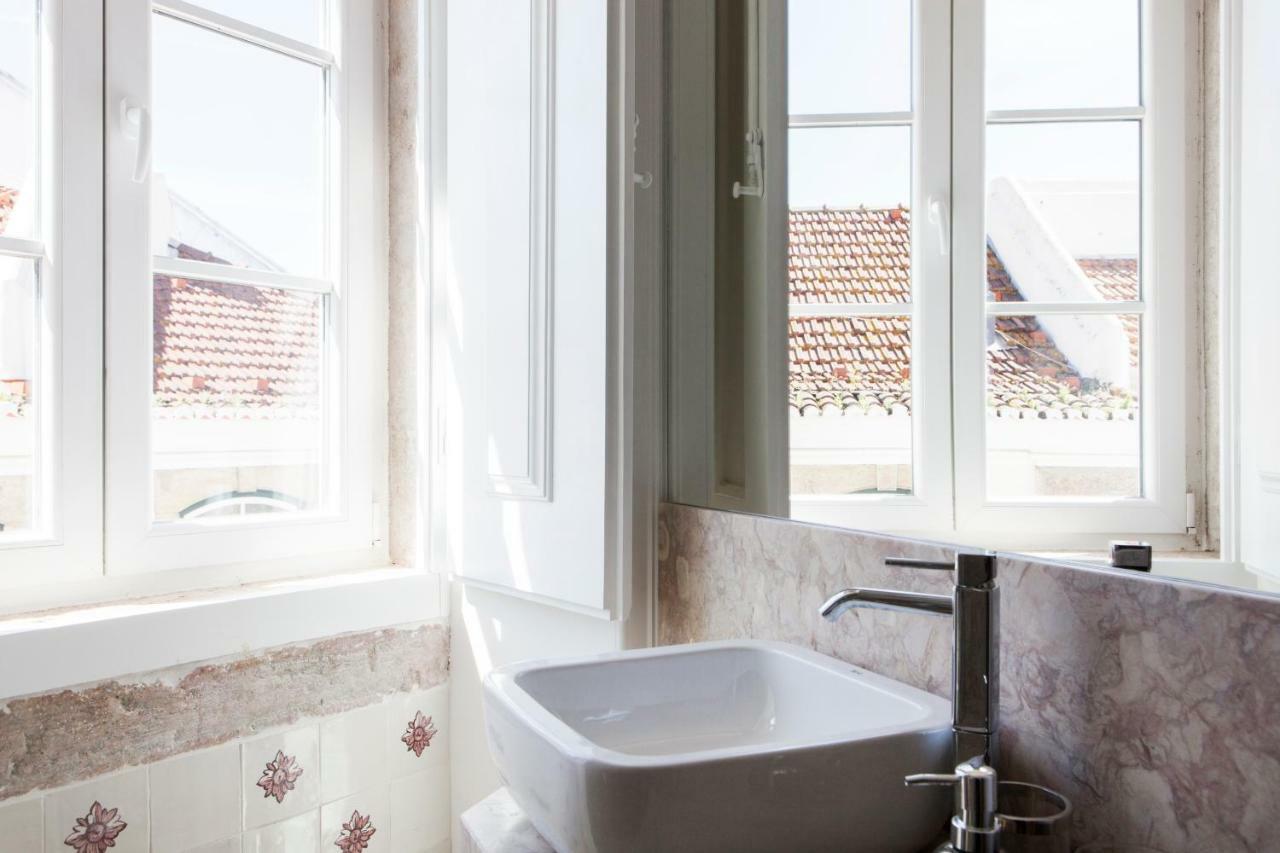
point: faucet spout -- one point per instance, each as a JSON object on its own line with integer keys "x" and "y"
{"x": 974, "y": 604}
{"x": 886, "y": 599}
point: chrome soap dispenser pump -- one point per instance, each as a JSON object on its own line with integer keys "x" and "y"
{"x": 973, "y": 826}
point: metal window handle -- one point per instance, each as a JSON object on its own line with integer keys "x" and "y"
{"x": 135, "y": 122}
{"x": 939, "y": 216}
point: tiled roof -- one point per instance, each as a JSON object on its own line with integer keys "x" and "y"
{"x": 842, "y": 364}
{"x": 221, "y": 350}
{"x": 850, "y": 255}
{"x": 8, "y": 197}
{"x": 229, "y": 350}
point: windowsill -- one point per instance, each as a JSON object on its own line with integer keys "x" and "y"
{"x": 72, "y": 646}
{"x": 1199, "y": 566}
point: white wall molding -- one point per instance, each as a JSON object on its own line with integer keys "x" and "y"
{"x": 532, "y": 479}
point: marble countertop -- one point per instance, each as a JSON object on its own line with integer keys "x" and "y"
{"x": 497, "y": 825}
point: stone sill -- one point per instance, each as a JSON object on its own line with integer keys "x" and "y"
{"x": 66, "y": 648}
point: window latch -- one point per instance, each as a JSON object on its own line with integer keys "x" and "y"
{"x": 940, "y": 218}
{"x": 135, "y": 123}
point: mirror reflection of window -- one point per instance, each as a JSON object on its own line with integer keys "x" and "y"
{"x": 850, "y": 265}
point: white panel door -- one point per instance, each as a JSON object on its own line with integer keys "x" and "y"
{"x": 537, "y": 217}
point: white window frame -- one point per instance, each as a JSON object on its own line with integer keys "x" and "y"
{"x": 68, "y": 251}
{"x": 97, "y": 541}
{"x": 929, "y": 507}
{"x": 1164, "y": 262}
{"x": 949, "y": 123}
{"x": 353, "y": 287}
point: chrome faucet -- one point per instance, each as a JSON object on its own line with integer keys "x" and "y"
{"x": 974, "y": 606}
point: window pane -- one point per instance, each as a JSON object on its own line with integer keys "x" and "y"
{"x": 238, "y": 399}
{"x": 1063, "y": 211}
{"x": 849, "y": 167}
{"x": 1063, "y": 414}
{"x": 302, "y": 20}
{"x": 1049, "y": 54}
{"x": 19, "y": 87}
{"x": 239, "y": 152}
{"x": 850, "y": 405}
{"x": 848, "y": 56}
{"x": 18, "y": 371}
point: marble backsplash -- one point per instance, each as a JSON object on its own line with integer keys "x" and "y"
{"x": 1153, "y": 704}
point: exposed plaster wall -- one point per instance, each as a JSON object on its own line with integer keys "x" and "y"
{"x": 1205, "y": 470}
{"x": 57, "y": 738}
{"x": 406, "y": 326}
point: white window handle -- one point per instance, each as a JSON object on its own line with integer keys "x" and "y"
{"x": 136, "y": 124}
{"x": 939, "y": 216}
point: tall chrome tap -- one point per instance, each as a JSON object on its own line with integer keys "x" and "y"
{"x": 974, "y": 606}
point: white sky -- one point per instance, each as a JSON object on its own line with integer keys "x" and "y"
{"x": 853, "y": 56}
{"x": 244, "y": 143}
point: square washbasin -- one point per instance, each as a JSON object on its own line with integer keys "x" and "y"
{"x": 732, "y": 746}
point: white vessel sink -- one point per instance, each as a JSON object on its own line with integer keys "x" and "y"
{"x": 726, "y": 747}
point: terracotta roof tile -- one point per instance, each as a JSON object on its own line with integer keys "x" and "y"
{"x": 841, "y": 364}
{"x": 230, "y": 350}
{"x": 8, "y": 198}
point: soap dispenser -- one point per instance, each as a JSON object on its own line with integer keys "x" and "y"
{"x": 973, "y": 827}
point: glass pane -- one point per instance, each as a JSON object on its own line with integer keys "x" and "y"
{"x": 848, "y": 56}
{"x": 850, "y": 405}
{"x": 302, "y": 20}
{"x": 848, "y": 167}
{"x": 1063, "y": 211}
{"x": 238, "y": 402}
{"x": 239, "y": 152}
{"x": 850, "y": 255}
{"x": 1052, "y": 54}
{"x": 19, "y": 123}
{"x": 18, "y": 371}
{"x": 1063, "y": 413}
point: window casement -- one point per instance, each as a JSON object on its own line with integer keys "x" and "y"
{"x": 50, "y": 281}
{"x": 227, "y": 421}
{"x": 996, "y": 353}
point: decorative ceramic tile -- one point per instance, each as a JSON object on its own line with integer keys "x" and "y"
{"x": 415, "y": 731}
{"x": 299, "y": 834}
{"x": 21, "y": 826}
{"x": 108, "y": 813}
{"x": 357, "y": 823}
{"x": 280, "y": 775}
{"x": 420, "y": 810}
{"x": 353, "y": 752}
{"x": 195, "y": 799}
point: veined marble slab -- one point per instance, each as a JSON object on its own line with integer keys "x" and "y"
{"x": 497, "y": 825}
{"x": 1154, "y": 704}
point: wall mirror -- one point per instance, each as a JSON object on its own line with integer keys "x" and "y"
{"x": 955, "y": 270}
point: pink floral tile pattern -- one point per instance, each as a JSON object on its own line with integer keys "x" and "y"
{"x": 356, "y": 833}
{"x": 96, "y": 831}
{"x": 418, "y": 735}
{"x": 280, "y": 776}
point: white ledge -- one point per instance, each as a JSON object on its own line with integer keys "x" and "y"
{"x": 66, "y": 648}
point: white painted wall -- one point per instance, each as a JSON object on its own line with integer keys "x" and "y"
{"x": 1259, "y": 286}
{"x": 1092, "y": 219}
